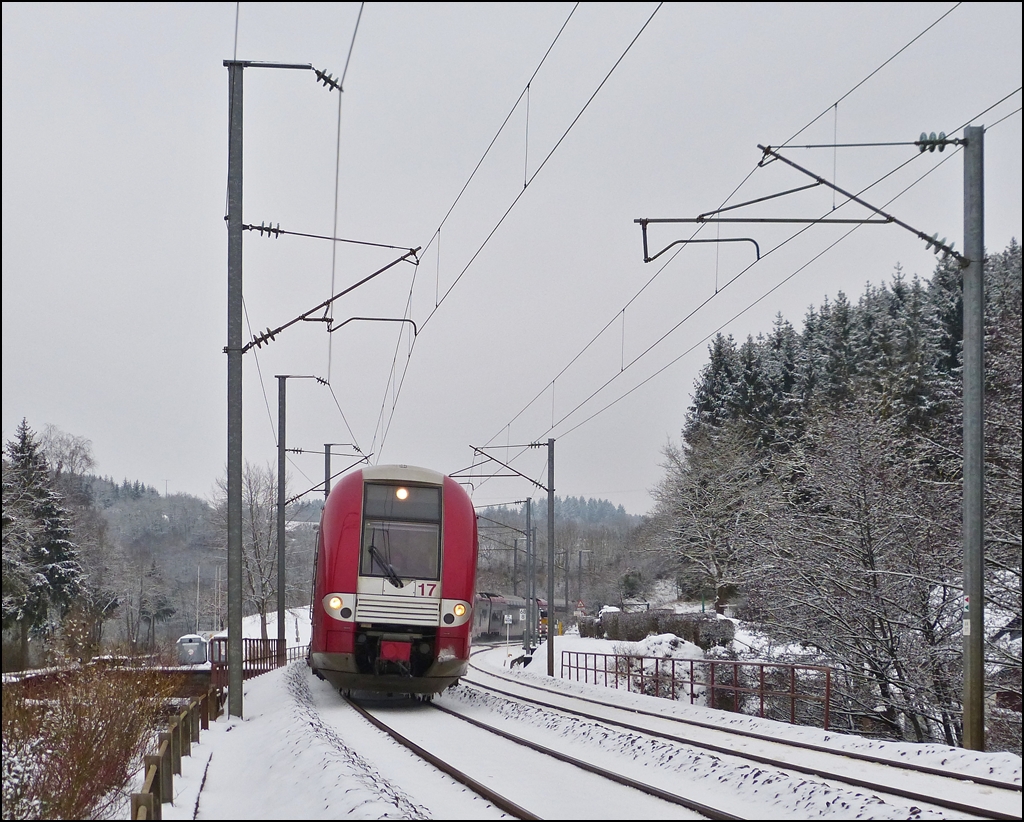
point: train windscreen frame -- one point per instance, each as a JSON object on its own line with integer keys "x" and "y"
{"x": 401, "y": 531}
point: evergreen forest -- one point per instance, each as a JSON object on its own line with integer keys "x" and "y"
{"x": 818, "y": 485}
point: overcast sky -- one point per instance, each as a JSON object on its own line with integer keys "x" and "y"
{"x": 115, "y": 248}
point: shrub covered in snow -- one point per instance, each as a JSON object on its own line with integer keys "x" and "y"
{"x": 703, "y": 630}
{"x": 71, "y": 747}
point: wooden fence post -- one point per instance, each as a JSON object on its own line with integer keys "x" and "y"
{"x": 185, "y": 729}
{"x": 166, "y": 768}
{"x": 154, "y": 784}
{"x": 144, "y": 801}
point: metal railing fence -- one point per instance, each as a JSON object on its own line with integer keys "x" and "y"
{"x": 258, "y": 657}
{"x": 798, "y": 694}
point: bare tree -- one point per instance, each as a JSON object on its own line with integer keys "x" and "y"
{"x": 706, "y": 509}
{"x": 861, "y": 563}
{"x": 259, "y": 536}
{"x": 66, "y": 454}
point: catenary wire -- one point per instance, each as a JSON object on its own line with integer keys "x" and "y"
{"x": 759, "y": 299}
{"x": 997, "y": 122}
{"x": 259, "y": 371}
{"x": 789, "y": 277}
{"x": 355, "y": 441}
{"x": 738, "y": 314}
{"x": 624, "y": 366}
{"x": 986, "y": 111}
{"x": 337, "y": 183}
{"x": 437, "y": 236}
{"x": 500, "y": 129}
{"x": 657, "y": 273}
{"x": 541, "y": 166}
{"x": 941, "y": 17}
{"x": 266, "y": 400}
{"x": 511, "y": 206}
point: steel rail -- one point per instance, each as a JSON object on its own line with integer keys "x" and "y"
{"x": 793, "y": 743}
{"x": 496, "y": 799}
{"x": 766, "y": 760}
{"x": 676, "y": 799}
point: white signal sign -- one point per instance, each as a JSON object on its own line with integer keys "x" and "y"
{"x": 522, "y": 615}
{"x": 508, "y": 619}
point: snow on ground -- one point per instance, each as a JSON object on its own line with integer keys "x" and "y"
{"x": 1004, "y": 766}
{"x": 300, "y": 752}
{"x": 755, "y": 791}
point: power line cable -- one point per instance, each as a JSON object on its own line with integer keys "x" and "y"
{"x": 266, "y": 400}
{"x": 500, "y": 129}
{"x": 797, "y": 271}
{"x": 738, "y": 314}
{"x": 259, "y": 371}
{"x": 541, "y": 166}
{"x": 394, "y": 369}
{"x": 987, "y": 110}
{"x": 337, "y": 182}
{"x": 751, "y": 305}
{"x": 437, "y": 236}
{"x": 763, "y": 296}
{"x": 997, "y": 122}
{"x": 941, "y": 17}
{"x": 516, "y": 199}
{"x": 656, "y": 274}
{"x": 355, "y": 441}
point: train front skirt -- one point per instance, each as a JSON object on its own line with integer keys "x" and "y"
{"x": 342, "y": 671}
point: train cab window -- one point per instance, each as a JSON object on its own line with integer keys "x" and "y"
{"x": 401, "y": 532}
{"x": 402, "y": 502}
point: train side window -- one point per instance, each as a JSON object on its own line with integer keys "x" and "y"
{"x": 316, "y": 570}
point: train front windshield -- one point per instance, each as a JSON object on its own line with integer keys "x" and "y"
{"x": 401, "y": 532}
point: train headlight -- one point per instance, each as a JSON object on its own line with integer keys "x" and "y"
{"x": 339, "y": 606}
{"x": 455, "y": 612}
{"x": 402, "y": 493}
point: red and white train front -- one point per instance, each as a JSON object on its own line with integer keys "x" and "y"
{"x": 393, "y": 582}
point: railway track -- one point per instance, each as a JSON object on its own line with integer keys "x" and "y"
{"x": 516, "y": 799}
{"x": 682, "y": 793}
{"x": 498, "y": 800}
{"x": 964, "y": 794}
{"x": 533, "y": 751}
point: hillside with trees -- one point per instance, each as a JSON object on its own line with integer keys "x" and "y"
{"x": 43, "y": 577}
{"x": 818, "y": 483}
{"x": 593, "y": 557}
{"x": 93, "y": 564}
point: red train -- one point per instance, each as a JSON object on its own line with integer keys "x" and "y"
{"x": 393, "y": 581}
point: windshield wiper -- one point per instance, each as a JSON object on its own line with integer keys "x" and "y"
{"x": 386, "y": 566}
